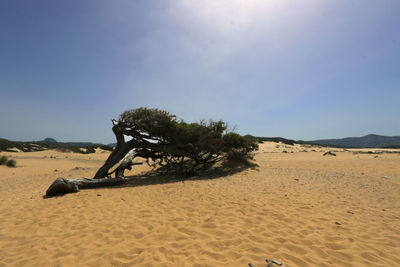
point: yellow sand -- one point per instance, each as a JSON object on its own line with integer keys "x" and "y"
{"x": 288, "y": 209}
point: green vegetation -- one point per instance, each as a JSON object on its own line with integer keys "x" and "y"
{"x": 240, "y": 147}
{"x": 82, "y": 148}
{"x": 272, "y": 139}
{"x": 106, "y": 147}
{"x": 8, "y": 162}
{"x": 11, "y": 163}
{"x": 6, "y": 145}
{"x": 164, "y": 140}
{"x": 3, "y": 160}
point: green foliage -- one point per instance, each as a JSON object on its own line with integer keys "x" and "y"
{"x": 6, "y": 145}
{"x": 152, "y": 122}
{"x": 106, "y": 147}
{"x": 8, "y": 162}
{"x": 159, "y": 135}
{"x": 239, "y": 147}
{"x": 235, "y": 140}
{"x": 3, "y": 160}
{"x": 90, "y": 150}
{"x": 11, "y": 163}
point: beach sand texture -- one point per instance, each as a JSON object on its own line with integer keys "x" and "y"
{"x": 300, "y": 208}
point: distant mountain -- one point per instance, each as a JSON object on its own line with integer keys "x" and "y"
{"x": 368, "y": 141}
{"x": 49, "y": 140}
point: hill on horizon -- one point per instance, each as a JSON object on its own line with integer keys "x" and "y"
{"x": 51, "y": 143}
{"x": 367, "y": 141}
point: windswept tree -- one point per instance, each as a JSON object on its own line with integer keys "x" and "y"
{"x": 163, "y": 139}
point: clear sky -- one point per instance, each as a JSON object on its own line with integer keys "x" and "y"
{"x": 301, "y": 69}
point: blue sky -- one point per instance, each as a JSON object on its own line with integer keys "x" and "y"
{"x": 305, "y": 70}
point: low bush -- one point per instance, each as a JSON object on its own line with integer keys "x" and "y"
{"x": 3, "y": 160}
{"x": 90, "y": 150}
{"x": 107, "y": 147}
{"x": 11, "y": 163}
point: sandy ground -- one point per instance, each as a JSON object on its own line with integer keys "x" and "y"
{"x": 300, "y": 208}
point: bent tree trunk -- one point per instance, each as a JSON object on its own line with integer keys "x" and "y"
{"x": 125, "y": 164}
{"x": 118, "y": 153}
{"x": 122, "y": 148}
{"x": 113, "y": 159}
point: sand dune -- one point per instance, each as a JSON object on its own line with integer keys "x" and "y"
{"x": 299, "y": 208}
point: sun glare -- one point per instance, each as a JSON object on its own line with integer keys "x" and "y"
{"x": 227, "y": 16}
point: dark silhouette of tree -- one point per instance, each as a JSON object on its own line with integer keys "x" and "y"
{"x": 163, "y": 139}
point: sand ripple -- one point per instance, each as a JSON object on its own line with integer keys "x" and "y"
{"x": 286, "y": 210}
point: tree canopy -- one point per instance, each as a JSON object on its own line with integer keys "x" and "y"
{"x": 163, "y": 139}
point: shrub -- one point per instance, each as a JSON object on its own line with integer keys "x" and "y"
{"x": 11, "y": 163}
{"x": 3, "y": 160}
{"x": 107, "y": 147}
{"x": 90, "y": 150}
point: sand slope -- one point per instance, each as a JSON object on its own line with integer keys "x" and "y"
{"x": 288, "y": 209}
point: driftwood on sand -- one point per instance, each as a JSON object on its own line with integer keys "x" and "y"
{"x": 64, "y": 186}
